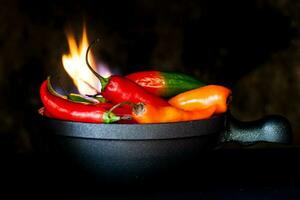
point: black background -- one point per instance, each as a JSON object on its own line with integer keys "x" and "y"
{"x": 250, "y": 46}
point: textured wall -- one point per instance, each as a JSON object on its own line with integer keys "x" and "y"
{"x": 250, "y": 46}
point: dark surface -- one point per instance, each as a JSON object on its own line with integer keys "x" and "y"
{"x": 223, "y": 174}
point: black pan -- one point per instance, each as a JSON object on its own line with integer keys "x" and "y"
{"x": 121, "y": 153}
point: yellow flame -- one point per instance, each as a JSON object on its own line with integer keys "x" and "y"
{"x": 75, "y": 65}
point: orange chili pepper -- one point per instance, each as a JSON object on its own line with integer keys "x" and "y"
{"x": 202, "y": 98}
{"x": 146, "y": 113}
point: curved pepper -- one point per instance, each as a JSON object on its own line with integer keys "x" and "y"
{"x": 60, "y": 108}
{"x": 203, "y": 98}
{"x": 118, "y": 89}
{"x": 146, "y": 113}
{"x": 164, "y": 84}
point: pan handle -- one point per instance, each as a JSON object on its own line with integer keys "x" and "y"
{"x": 273, "y": 128}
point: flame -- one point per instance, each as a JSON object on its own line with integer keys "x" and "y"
{"x": 103, "y": 69}
{"x": 75, "y": 65}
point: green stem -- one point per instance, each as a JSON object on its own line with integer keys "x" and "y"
{"x": 103, "y": 80}
{"x": 111, "y": 117}
{"x": 120, "y": 104}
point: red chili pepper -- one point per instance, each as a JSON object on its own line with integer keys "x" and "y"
{"x": 59, "y": 108}
{"x": 164, "y": 84}
{"x": 119, "y": 89}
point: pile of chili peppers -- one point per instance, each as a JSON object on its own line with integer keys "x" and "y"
{"x": 141, "y": 97}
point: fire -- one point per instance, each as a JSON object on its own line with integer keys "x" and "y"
{"x": 75, "y": 65}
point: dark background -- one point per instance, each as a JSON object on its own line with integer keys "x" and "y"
{"x": 249, "y": 46}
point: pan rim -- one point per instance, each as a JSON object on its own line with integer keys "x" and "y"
{"x": 133, "y": 124}
{"x": 153, "y": 131}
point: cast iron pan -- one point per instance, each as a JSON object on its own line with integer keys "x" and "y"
{"x": 123, "y": 153}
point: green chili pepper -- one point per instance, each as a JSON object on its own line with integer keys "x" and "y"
{"x": 165, "y": 84}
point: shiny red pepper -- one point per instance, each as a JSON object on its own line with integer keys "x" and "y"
{"x": 119, "y": 89}
{"x": 165, "y": 84}
{"x": 59, "y": 108}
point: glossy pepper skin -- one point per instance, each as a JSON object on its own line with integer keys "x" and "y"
{"x": 164, "y": 84}
{"x": 146, "y": 113}
{"x": 118, "y": 89}
{"x": 202, "y": 98}
{"x": 63, "y": 109}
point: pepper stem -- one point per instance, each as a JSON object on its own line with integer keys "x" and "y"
{"x": 103, "y": 80}
{"x": 125, "y": 117}
{"x": 51, "y": 89}
{"x": 109, "y": 117}
{"x": 120, "y": 104}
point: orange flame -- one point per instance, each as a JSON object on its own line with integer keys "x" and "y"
{"x": 75, "y": 65}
